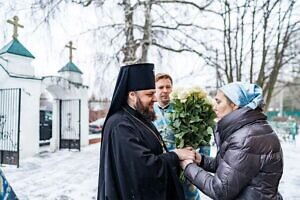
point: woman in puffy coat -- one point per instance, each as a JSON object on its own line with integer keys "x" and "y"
{"x": 249, "y": 161}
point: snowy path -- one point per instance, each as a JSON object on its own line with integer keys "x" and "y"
{"x": 73, "y": 175}
{"x": 290, "y": 182}
{"x": 63, "y": 175}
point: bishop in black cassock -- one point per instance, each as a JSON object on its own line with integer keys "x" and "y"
{"x": 134, "y": 163}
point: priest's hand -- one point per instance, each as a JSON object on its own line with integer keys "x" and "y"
{"x": 186, "y": 153}
{"x": 185, "y": 163}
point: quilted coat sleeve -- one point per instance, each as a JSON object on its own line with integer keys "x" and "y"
{"x": 236, "y": 168}
{"x": 209, "y": 163}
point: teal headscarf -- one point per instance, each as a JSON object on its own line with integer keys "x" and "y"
{"x": 244, "y": 94}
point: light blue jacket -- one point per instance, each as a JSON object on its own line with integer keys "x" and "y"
{"x": 162, "y": 123}
{"x": 6, "y": 192}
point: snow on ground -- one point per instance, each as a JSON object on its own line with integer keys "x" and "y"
{"x": 290, "y": 182}
{"x": 63, "y": 175}
{"x": 73, "y": 175}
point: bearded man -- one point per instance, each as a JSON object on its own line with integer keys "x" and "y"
{"x": 134, "y": 161}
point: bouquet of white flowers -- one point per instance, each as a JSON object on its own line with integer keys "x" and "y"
{"x": 193, "y": 117}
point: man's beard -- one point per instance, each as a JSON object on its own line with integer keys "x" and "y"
{"x": 144, "y": 110}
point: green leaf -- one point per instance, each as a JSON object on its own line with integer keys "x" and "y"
{"x": 195, "y": 119}
{"x": 181, "y": 144}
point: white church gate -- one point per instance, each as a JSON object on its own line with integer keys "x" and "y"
{"x": 10, "y": 106}
{"x": 70, "y": 124}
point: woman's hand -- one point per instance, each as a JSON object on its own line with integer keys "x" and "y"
{"x": 198, "y": 158}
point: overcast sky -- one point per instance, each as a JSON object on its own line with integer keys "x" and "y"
{"x": 72, "y": 23}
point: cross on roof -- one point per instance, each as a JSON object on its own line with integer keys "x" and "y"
{"x": 15, "y": 23}
{"x": 70, "y": 46}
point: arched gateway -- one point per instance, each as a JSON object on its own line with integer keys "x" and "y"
{"x": 21, "y": 94}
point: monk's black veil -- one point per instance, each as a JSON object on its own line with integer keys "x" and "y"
{"x": 131, "y": 78}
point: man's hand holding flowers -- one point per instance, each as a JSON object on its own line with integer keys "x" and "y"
{"x": 186, "y": 162}
{"x": 187, "y": 153}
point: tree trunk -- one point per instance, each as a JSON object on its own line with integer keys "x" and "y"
{"x": 147, "y": 32}
{"x": 130, "y": 46}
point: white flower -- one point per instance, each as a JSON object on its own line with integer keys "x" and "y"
{"x": 192, "y": 114}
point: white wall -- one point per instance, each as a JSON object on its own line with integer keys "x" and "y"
{"x": 29, "y": 113}
{"x": 72, "y": 76}
{"x": 84, "y": 118}
{"x": 18, "y": 65}
{"x": 3, "y": 76}
{"x": 54, "y": 142}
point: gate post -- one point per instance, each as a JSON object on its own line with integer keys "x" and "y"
{"x": 19, "y": 119}
{"x": 54, "y": 141}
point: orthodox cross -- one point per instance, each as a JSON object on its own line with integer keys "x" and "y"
{"x": 70, "y": 46}
{"x": 15, "y": 23}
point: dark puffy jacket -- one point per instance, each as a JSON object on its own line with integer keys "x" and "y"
{"x": 249, "y": 161}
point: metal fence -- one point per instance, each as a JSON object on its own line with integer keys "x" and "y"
{"x": 70, "y": 124}
{"x": 285, "y": 130}
{"x": 10, "y": 106}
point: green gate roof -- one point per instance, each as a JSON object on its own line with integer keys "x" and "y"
{"x": 15, "y": 47}
{"x": 70, "y": 66}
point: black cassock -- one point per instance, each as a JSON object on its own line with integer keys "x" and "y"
{"x": 132, "y": 162}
